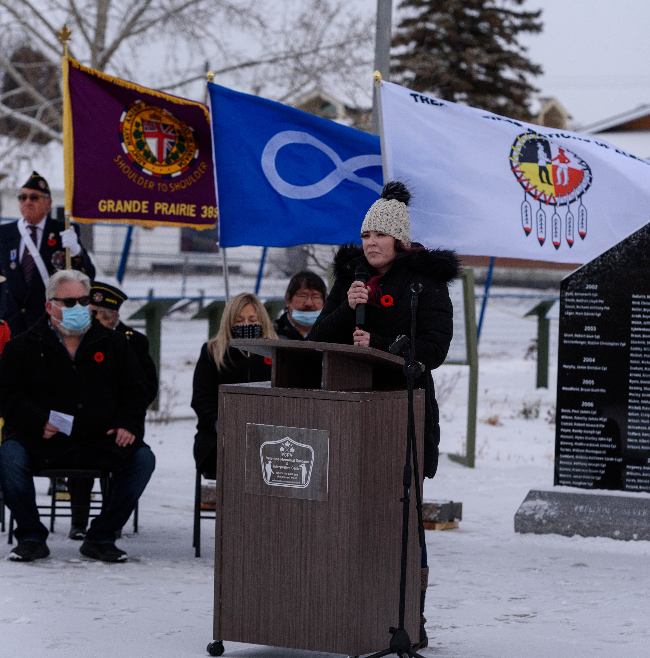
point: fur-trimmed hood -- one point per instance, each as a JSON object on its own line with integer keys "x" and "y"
{"x": 439, "y": 264}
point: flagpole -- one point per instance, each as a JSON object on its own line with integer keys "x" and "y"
{"x": 380, "y": 122}
{"x": 382, "y": 53}
{"x": 210, "y": 77}
{"x": 64, "y": 37}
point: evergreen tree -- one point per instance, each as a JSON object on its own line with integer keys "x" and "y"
{"x": 467, "y": 51}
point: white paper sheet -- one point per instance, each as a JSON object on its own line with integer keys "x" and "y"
{"x": 62, "y": 421}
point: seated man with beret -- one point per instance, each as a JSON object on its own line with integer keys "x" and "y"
{"x": 73, "y": 396}
{"x": 105, "y": 302}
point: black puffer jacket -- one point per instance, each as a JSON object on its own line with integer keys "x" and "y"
{"x": 238, "y": 368}
{"x": 434, "y": 269}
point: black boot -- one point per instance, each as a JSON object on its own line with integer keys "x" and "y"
{"x": 424, "y": 583}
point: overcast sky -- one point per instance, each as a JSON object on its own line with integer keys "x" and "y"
{"x": 595, "y": 55}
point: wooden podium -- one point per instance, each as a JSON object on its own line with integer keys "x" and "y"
{"x": 309, "y": 518}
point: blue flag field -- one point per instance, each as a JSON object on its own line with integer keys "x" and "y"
{"x": 285, "y": 177}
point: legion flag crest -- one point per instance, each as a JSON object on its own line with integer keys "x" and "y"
{"x": 135, "y": 155}
{"x": 157, "y": 142}
{"x": 488, "y": 185}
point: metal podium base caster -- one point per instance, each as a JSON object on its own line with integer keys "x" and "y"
{"x": 215, "y": 648}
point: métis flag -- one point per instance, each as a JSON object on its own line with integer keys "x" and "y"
{"x": 487, "y": 185}
{"x": 286, "y": 177}
{"x": 134, "y": 155}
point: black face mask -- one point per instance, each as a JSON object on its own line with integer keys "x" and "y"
{"x": 246, "y": 331}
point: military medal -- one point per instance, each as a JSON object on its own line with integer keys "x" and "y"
{"x": 12, "y": 257}
{"x": 58, "y": 260}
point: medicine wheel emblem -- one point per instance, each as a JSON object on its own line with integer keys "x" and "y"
{"x": 156, "y": 142}
{"x": 553, "y": 176}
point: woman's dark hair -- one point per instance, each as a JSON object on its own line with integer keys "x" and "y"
{"x": 308, "y": 280}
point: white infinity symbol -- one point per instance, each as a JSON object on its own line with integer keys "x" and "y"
{"x": 344, "y": 170}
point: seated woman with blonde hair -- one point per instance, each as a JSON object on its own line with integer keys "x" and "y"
{"x": 243, "y": 317}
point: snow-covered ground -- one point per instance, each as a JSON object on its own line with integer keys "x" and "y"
{"x": 493, "y": 593}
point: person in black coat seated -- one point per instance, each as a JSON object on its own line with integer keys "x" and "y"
{"x": 243, "y": 317}
{"x": 394, "y": 263}
{"x": 105, "y": 303}
{"x": 72, "y": 395}
{"x": 304, "y": 299}
{"x": 22, "y": 295}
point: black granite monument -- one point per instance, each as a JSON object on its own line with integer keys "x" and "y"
{"x": 603, "y": 387}
{"x": 603, "y": 399}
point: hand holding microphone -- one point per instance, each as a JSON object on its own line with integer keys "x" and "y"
{"x": 359, "y": 294}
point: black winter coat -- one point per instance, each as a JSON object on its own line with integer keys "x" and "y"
{"x": 102, "y": 387}
{"x": 285, "y": 330}
{"x": 434, "y": 269}
{"x": 140, "y": 345}
{"x": 238, "y": 369}
{"x": 21, "y": 305}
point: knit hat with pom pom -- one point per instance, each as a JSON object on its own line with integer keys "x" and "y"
{"x": 389, "y": 214}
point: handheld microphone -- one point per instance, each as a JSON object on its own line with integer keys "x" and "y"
{"x": 361, "y": 274}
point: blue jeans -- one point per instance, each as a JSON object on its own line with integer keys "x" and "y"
{"x": 130, "y": 477}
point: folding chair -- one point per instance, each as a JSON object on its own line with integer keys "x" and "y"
{"x": 59, "y": 508}
{"x": 199, "y": 514}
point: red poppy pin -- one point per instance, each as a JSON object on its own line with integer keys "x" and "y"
{"x": 268, "y": 360}
{"x": 99, "y": 357}
{"x": 386, "y": 300}
{"x": 51, "y": 242}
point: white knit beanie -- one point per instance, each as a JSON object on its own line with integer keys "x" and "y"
{"x": 389, "y": 214}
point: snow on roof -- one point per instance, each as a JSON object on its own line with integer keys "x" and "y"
{"x": 636, "y": 142}
{"x": 617, "y": 120}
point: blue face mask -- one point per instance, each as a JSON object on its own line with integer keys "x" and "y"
{"x": 75, "y": 318}
{"x": 305, "y": 318}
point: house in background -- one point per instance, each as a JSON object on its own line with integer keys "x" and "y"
{"x": 321, "y": 104}
{"x": 549, "y": 112}
{"x": 629, "y": 130}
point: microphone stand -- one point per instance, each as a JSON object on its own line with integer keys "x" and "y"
{"x": 400, "y": 642}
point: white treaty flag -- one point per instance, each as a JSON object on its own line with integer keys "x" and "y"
{"x": 486, "y": 185}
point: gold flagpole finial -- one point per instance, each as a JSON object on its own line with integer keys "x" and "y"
{"x": 210, "y": 76}
{"x": 64, "y": 37}
{"x": 377, "y": 77}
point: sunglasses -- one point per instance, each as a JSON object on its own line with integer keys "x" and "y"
{"x": 70, "y": 302}
{"x": 31, "y": 197}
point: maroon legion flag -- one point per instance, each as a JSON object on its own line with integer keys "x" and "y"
{"x": 134, "y": 155}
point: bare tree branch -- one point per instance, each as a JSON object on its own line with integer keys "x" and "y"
{"x": 21, "y": 81}
{"x": 12, "y": 6}
{"x": 34, "y": 123}
{"x": 276, "y": 59}
{"x": 80, "y": 23}
{"x": 126, "y": 33}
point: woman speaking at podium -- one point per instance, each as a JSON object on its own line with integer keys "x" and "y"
{"x": 388, "y": 262}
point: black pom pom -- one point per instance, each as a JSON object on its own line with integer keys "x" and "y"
{"x": 396, "y": 190}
